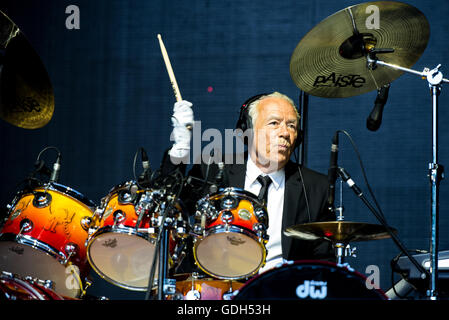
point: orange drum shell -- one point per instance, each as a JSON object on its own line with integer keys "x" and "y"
{"x": 130, "y": 220}
{"x": 57, "y": 224}
{"x": 243, "y": 216}
{"x": 128, "y": 209}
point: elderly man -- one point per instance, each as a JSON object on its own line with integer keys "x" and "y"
{"x": 293, "y": 194}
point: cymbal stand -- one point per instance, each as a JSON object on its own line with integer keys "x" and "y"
{"x": 340, "y": 247}
{"x": 434, "y": 78}
{"x": 165, "y": 286}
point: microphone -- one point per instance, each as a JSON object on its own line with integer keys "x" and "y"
{"x": 56, "y": 169}
{"x": 375, "y": 118}
{"x": 347, "y": 178}
{"x": 144, "y": 177}
{"x": 206, "y": 180}
{"x": 332, "y": 172}
{"x": 220, "y": 178}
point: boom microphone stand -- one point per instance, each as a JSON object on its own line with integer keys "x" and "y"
{"x": 434, "y": 78}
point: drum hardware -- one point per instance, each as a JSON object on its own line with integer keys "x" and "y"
{"x": 16, "y": 287}
{"x": 435, "y": 79}
{"x": 193, "y": 294}
{"x": 26, "y": 225}
{"x": 196, "y": 286}
{"x": 49, "y": 284}
{"x": 86, "y": 222}
{"x": 148, "y": 204}
{"x": 353, "y": 70}
{"x": 261, "y": 230}
{"x": 227, "y": 217}
{"x": 379, "y": 216}
{"x": 71, "y": 249}
{"x": 165, "y": 285}
{"x": 41, "y": 199}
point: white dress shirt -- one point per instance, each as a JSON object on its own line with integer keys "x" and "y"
{"x": 275, "y": 209}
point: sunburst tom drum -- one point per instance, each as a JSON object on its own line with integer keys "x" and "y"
{"x": 122, "y": 246}
{"x": 44, "y": 237}
{"x": 231, "y": 234}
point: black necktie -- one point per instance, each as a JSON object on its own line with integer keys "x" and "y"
{"x": 265, "y": 181}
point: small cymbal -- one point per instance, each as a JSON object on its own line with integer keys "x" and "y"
{"x": 26, "y": 94}
{"x": 330, "y": 60}
{"x": 338, "y": 231}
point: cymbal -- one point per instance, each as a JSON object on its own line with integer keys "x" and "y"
{"x": 330, "y": 60}
{"x": 26, "y": 94}
{"x": 338, "y": 231}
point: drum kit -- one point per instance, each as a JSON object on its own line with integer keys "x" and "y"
{"x": 137, "y": 237}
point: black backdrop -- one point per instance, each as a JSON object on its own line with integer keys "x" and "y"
{"x": 112, "y": 96}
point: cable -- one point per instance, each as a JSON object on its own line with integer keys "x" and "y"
{"x": 393, "y": 265}
{"x": 304, "y": 187}
{"x": 363, "y": 171}
{"x": 45, "y": 149}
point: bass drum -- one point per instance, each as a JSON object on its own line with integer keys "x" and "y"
{"x": 309, "y": 280}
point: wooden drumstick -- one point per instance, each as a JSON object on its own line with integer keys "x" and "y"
{"x": 171, "y": 74}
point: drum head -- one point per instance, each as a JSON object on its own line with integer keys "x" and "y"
{"x": 309, "y": 281}
{"x": 122, "y": 259}
{"x": 229, "y": 255}
{"x": 25, "y": 260}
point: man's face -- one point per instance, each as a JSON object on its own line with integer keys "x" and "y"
{"x": 275, "y": 133}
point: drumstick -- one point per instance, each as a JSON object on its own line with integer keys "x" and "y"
{"x": 171, "y": 74}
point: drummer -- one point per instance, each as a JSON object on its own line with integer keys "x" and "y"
{"x": 275, "y": 123}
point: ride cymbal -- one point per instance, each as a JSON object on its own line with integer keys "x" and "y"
{"x": 330, "y": 60}
{"x": 26, "y": 94}
{"x": 338, "y": 231}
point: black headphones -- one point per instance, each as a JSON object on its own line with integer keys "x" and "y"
{"x": 244, "y": 122}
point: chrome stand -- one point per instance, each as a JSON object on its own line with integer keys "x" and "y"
{"x": 435, "y": 78}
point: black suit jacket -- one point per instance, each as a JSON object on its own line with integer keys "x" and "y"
{"x": 295, "y": 208}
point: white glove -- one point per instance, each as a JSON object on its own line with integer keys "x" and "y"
{"x": 181, "y": 135}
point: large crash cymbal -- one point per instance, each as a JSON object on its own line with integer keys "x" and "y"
{"x": 26, "y": 94}
{"x": 330, "y": 60}
{"x": 338, "y": 231}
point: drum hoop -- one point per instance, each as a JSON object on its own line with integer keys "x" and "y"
{"x": 231, "y": 228}
{"x": 35, "y": 244}
{"x": 231, "y": 191}
{"x": 30, "y": 288}
{"x": 63, "y": 190}
{"x": 121, "y": 230}
{"x": 68, "y": 191}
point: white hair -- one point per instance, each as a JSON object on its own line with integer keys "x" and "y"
{"x": 253, "y": 111}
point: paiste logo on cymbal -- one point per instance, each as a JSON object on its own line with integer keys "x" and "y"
{"x": 341, "y": 81}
